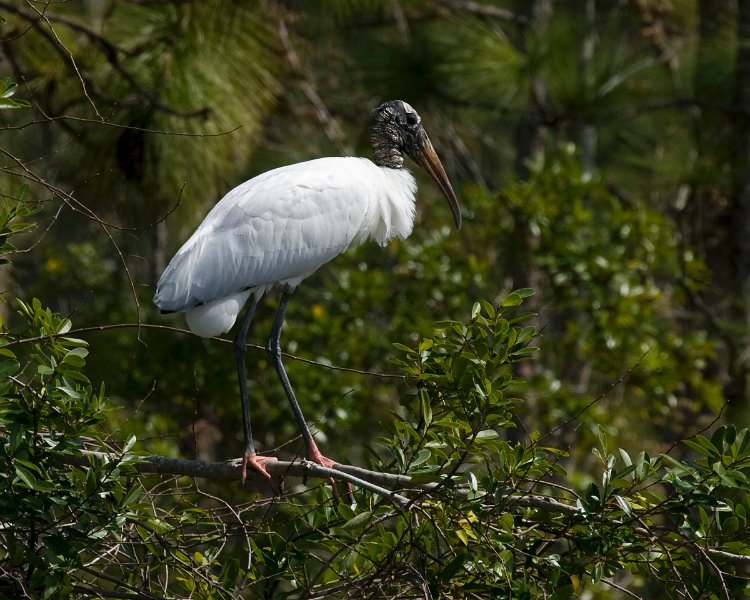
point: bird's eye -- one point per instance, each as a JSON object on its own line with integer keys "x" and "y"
{"x": 412, "y": 120}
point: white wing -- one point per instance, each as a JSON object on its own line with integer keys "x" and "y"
{"x": 277, "y": 227}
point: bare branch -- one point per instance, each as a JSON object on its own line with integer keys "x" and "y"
{"x": 58, "y": 44}
{"x": 484, "y": 10}
{"x": 97, "y": 592}
{"x": 376, "y": 481}
{"x": 138, "y": 326}
{"x": 50, "y": 118}
{"x": 111, "y": 53}
{"x": 619, "y": 381}
{"x": 231, "y": 470}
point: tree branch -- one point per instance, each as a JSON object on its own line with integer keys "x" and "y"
{"x": 111, "y": 53}
{"x": 484, "y": 10}
{"x": 377, "y": 482}
{"x": 231, "y": 471}
{"x": 182, "y": 330}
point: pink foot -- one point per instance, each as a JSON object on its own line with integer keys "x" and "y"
{"x": 314, "y": 455}
{"x": 256, "y": 462}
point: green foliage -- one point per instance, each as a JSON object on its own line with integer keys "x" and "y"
{"x": 72, "y": 521}
{"x": 12, "y": 213}
{"x": 610, "y": 271}
{"x": 481, "y": 61}
{"x": 7, "y": 91}
{"x": 593, "y": 154}
{"x": 54, "y": 519}
{"x": 484, "y": 513}
{"x": 486, "y": 518}
{"x": 463, "y": 378}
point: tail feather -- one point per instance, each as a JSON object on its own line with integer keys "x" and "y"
{"x": 217, "y": 317}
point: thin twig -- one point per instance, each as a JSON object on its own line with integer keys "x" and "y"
{"x": 107, "y": 123}
{"x": 108, "y": 49}
{"x": 43, "y": 16}
{"x": 621, "y": 379}
{"x": 619, "y": 588}
{"x": 484, "y": 10}
{"x": 100, "y": 328}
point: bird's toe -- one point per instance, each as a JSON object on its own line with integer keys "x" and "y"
{"x": 256, "y": 462}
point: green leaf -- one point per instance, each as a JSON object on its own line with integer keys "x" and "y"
{"x": 602, "y": 435}
{"x": 475, "y": 310}
{"x": 21, "y": 195}
{"x": 462, "y": 536}
{"x": 8, "y": 367}
{"x": 65, "y": 326}
{"x": 703, "y": 519}
{"x": 506, "y": 522}
{"x": 7, "y": 88}
{"x": 358, "y": 521}
{"x": 129, "y": 443}
{"x": 512, "y": 299}
{"x": 25, "y": 476}
{"x": 231, "y": 572}
{"x": 703, "y": 446}
{"x": 76, "y": 357}
{"x": 489, "y": 309}
{"x": 403, "y": 348}
{"x": 453, "y": 567}
{"x": 8, "y": 103}
{"x": 624, "y": 505}
{"x": 729, "y": 525}
{"x": 44, "y": 370}
{"x": 422, "y": 456}
{"x": 597, "y": 572}
{"x": 717, "y": 439}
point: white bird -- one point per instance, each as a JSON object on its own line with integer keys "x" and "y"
{"x": 280, "y": 226}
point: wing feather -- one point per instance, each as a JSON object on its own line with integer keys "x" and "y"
{"x": 277, "y": 227}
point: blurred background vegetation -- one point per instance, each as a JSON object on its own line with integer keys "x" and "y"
{"x": 600, "y": 149}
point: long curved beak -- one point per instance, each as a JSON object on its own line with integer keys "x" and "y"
{"x": 427, "y": 158}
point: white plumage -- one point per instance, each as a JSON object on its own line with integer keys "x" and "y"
{"x": 281, "y": 226}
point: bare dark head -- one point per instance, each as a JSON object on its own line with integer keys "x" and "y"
{"x": 396, "y": 129}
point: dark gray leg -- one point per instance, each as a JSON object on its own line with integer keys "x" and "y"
{"x": 240, "y": 349}
{"x": 274, "y": 352}
{"x": 273, "y": 347}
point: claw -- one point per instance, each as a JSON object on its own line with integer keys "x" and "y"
{"x": 315, "y": 456}
{"x": 256, "y": 462}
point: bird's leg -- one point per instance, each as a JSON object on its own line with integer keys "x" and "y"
{"x": 274, "y": 352}
{"x": 240, "y": 348}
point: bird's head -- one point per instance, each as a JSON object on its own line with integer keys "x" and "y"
{"x": 396, "y": 129}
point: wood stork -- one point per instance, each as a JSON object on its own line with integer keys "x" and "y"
{"x": 282, "y": 225}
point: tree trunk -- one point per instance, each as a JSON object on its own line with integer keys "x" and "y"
{"x": 589, "y": 135}
{"x": 741, "y": 215}
{"x": 529, "y": 139}
{"x": 741, "y": 206}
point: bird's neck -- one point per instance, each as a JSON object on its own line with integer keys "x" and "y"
{"x": 391, "y": 214}
{"x": 385, "y": 152}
